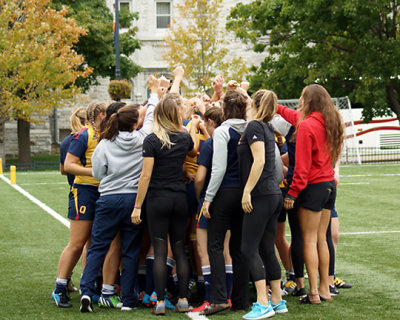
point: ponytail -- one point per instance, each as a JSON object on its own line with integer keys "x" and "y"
{"x": 122, "y": 120}
{"x": 77, "y": 119}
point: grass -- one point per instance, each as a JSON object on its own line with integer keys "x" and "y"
{"x": 31, "y": 242}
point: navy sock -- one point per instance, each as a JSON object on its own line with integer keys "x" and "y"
{"x": 142, "y": 278}
{"x": 229, "y": 280}
{"x": 207, "y": 282}
{"x": 61, "y": 285}
{"x": 149, "y": 274}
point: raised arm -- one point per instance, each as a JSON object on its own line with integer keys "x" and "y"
{"x": 178, "y": 76}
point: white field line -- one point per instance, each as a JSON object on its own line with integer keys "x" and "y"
{"x": 37, "y": 183}
{"x": 345, "y": 183}
{"x": 196, "y": 316}
{"x": 50, "y": 211}
{"x": 369, "y": 175}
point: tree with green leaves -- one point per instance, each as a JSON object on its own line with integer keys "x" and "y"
{"x": 97, "y": 46}
{"x": 351, "y": 47}
{"x": 197, "y": 40}
{"x": 38, "y": 65}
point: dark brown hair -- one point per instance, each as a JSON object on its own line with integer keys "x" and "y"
{"x": 122, "y": 120}
{"x": 215, "y": 114}
{"x": 235, "y": 104}
{"x": 315, "y": 98}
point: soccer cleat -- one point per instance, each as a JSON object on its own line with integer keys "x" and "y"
{"x": 146, "y": 301}
{"x": 153, "y": 297}
{"x": 333, "y": 290}
{"x": 341, "y": 284}
{"x": 86, "y": 304}
{"x": 201, "y": 307}
{"x": 279, "y": 307}
{"x": 229, "y": 302}
{"x": 289, "y": 286}
{"x": 159, "y": 309}
{"x": 110, "y": 302}
{"x": 168, "y": 304}
{"x": 299, "y": 292}
{"x": 258, "y": 311}
{"x": 61, "y": 299}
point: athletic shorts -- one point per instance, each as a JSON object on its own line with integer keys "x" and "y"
{"x": 282, "y": 214}
{"x": 201, "y": 221}
{"x": 318, "y": 196}
{"x": 191, "y": 199}
{"x": 82, "y": 202}
{"x": 334, "y": 213}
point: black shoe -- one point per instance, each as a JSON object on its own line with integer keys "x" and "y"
{"x": 333, "y": 290}
{"x": 299, "y": 292}
{"x": 61, "y": 299}
{"x": 214, "y": 308}
{"x": 86, "y": 304}
{"x": 341, "y": 284}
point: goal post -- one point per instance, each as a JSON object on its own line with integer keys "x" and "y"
{"x": 350, "y": 151}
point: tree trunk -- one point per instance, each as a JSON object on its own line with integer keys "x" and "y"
{"x": 394, "y": 103}
{"x": 24, "y": 141}
{"x": 2, "y": 135}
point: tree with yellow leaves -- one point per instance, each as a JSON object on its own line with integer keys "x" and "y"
{"x": 197, "y": 40}
{"x": 38, "y": 63}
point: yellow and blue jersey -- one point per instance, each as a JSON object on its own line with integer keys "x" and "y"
{"x": 191, "y": 162}
{"x": 82, "y": 146}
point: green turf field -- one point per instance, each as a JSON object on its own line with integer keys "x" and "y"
{"x": 368, "y": 202}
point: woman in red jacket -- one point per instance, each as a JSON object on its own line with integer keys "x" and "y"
{"x": 319, "y": 138}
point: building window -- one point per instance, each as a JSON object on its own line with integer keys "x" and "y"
{"x": 163, "y": 14}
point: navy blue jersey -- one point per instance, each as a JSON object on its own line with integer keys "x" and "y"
{"x": 205, "y": 159}
{"x": 63, "y": 154}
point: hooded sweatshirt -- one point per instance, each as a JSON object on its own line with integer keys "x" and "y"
{"x": 225, "y": 162}
{"x": 118, "y": 164}
{"x": 313, "y": 162}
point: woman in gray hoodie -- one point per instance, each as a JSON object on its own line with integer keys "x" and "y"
{"x": 117, "y": 163}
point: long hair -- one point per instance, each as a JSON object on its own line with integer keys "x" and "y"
{"x": 265, "y": 102}
{"x": 315, "y": 98}
{"x": 122, "y": 120}
{"x": 77, "y": 119}
{"x": 167, "y": 118}
{"x": 92, "y": 112}
{"x": 235, "y": 105}
{"x": 111, "y": 109}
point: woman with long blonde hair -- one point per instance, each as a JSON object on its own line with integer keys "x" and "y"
{"x": 319, "y": 138}
{"x": 262, "y": 203}
{"x": 164, "y": 153}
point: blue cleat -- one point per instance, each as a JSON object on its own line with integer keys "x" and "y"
{"x": 61, "y": 299}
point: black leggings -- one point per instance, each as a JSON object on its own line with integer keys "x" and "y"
{"x": 226, "y": 212}
{"x": 258, "y": 236}
{"x": 166, "y": 215}
{"x": 331, "y": 249}
{"x": 296, "y": 243}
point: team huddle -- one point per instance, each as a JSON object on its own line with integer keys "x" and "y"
{"x": 180, "y": 188}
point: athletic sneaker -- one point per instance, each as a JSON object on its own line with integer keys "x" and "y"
{"x": 110, "y": 302}
{"x": 333, "y": 290}
{"x": 159, "y": 308}
{"x": 279, "y": 307}
{"x": 258, "y": 311}
{"x": 289, "y": 286}
{"x": 61, "y": 299}
{"x": 86, "y": 304}
{"x": 299, "y": 292}
{"x": 153, "y": 297}
{"x": 182, "y": 306}
{"x": 146, "y": 300}
{"x": 201, "y": 308}
{"x": 341, "y": 284}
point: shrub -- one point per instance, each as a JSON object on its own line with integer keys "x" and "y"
{"x": 119, "y": 89}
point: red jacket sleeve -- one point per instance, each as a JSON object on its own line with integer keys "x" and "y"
{"x": 290, "y": 115}
{"x": 304, "y": 145}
